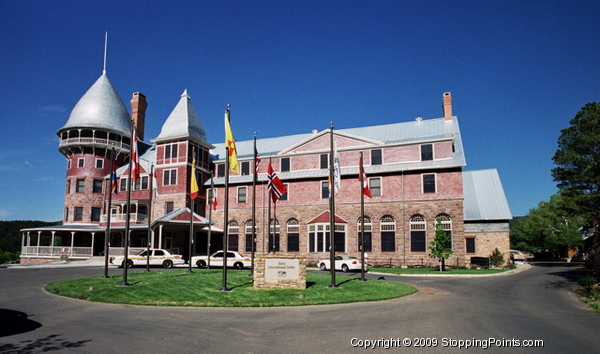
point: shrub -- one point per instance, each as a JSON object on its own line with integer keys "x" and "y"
{"x": 497, "y": 258}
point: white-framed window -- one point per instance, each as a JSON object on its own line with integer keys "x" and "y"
{"x": 418, "y": 233}
{"x": 318, "y": 237}
{"x": 293, "y": 235}
{"x": 81, "y": 162}
{"x": 375, "y": 186}
{"x": 170, "y": 177}
{"x": 242, "y": 196}
{"x": 99, "y": 164}
{"x": 446, "y": 222}
{"x": 426, "y": 152}
{"x": 368, "y": 233}
{"x": 388, "y": 233}
{"x": 429, "y": 183}
{"x": 171, "y": 151}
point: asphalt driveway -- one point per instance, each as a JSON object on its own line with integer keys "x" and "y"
{"x": 501, "y": 313}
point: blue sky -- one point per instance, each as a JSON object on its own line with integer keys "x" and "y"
{"x": 518, "y": 72}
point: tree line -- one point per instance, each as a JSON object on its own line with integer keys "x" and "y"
{"x": 10, "y": 237}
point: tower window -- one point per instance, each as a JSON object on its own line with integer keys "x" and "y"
{"x": 81, "y": 162}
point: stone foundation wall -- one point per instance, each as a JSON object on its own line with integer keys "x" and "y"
{"x": 262, "y": 280}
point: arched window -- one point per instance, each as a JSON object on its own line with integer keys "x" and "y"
{"x": 446, "y": 222}
{"x": 418, "y": 233}
{"x": 248, "y": 231}
{"x": 274, "y": 230}
{"x": 367, "y": 226}
{"x": 388, "y": 233}
{"x": 293, "y": 235}
{"x": 233, "y": 231}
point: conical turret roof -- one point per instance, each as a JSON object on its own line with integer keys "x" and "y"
{"x": 101, "y": 108}
{"x": 183, "y": 123}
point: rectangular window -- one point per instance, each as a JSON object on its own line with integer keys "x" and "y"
{"x": 324, "y": 161}
{"x": 429, "y": 183}
{"x": 66, "y": 214}
{"x": 169, "y": 177}
{"x": 141, "y": 183}
{"x": 123, "y": 184}
{"x": 95, "y": 214}
{"x": 368, "y": 244}
{"x": 417, "y": 241}
{"x": 170, "y": 151}
{"x": 293, "y": 242}
{"x": 388, "y": 241}
{"x": 99, "y": 163}
{"x": 287, "y": 191}
{"x": 168, "y": 207}
{"x": 81, "y": 162}
{"x": 375, "y": 186}
{"x": 285, "y": 164}
{"x": 241, "y": 195}
{"x": 97, "y": 186}
{"x": 426, "y": 152}
{"x": 80, "y": 186}
{"x": 68, "y": 164}
{"x": 245, "y": 168}
{"x": 324, "y": 189}
{"x": 68, "y": 187}
{"x": 78, "y": 214}
{"x": 233, "y": 242}
{"x": 376, "y": 157}
{"x": 221, "y": 170}
{"x": 470, "y": 244}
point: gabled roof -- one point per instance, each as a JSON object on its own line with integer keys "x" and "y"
{"x": 100, "y": 108}
{"x": 183, "y": 123}
{"x": 182, "y": 216}
{"x": 484, "y": 196}
{"x": 325, "y": 217}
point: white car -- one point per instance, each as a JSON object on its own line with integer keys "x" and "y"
{"x": 234, "y": 259}
{"x": 343, "y": 263}
{"x": 157, "y": 257}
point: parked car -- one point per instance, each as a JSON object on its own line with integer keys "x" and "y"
{"x": 234, "y": 259}
{"x": 516, "y": 255}
{"x": 343, "y": 263}
{"x": 579, "y": 257}
{"x": 157, "y": 257}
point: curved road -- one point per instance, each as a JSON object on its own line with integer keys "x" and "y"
{"x": 535, "y": 304}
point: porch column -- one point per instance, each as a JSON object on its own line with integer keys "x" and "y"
{"x": 160, "y": 232}
{"x": 92, "y": 248}
{"x": 52, "y": 243}
{"x": 39, "y": 236}
{"x": 72, "y": 242}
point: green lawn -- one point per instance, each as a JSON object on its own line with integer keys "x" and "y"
{"x": 201, "y": 288}
{"x": 436, "y": 271}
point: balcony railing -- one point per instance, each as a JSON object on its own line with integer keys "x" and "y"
{"x": 92, "y": 140}
{"x": 120, "y": 218}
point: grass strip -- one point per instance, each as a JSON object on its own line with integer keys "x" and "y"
{"x": 436, "y": 271}
{"x": 201, "y": 289}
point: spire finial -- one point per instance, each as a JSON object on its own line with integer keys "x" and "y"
{"x": 105, "y": 45}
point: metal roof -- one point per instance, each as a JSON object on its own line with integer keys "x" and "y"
{"x": 484, "y": 196}
{"x": 100, "y": 108}
{"x": 183, "y": 123}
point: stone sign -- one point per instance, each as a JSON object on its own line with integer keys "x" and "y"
{"x": 280, "y": 271}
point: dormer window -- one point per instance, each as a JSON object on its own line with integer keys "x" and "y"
{"x": 427, "y": 152}
{"x": 170, "y": 151}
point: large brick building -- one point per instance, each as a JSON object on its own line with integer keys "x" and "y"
{"x": 414, "y": 170}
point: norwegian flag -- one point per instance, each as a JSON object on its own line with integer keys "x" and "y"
{"x": 275, "y": 186}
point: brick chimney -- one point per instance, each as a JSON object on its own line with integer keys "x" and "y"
{"x": 447, "y": 105}
{"x": 138, "y": 113}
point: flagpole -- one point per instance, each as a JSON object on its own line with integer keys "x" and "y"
{"x": 226, "y": 213}
{"x": 254, "y": 206}
{"x": 151, "y": 177}
{"x": 210, "y": 207}
{"x": 107, "y": 234}
{"x": 269, "y": 238}
{"x": 128, "y": 216}
{"x": 331, "y": 211}
{"x": 362, "y": 220}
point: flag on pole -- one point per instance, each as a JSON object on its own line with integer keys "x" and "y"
{"x": 230, "y": 145}
{"x": 337, "y": 176}
{"x": 275, "y": 186}
{"x": 212, "y": 197}
{"x": 114, "y": 183}
{"x": 363, "y": 178}
{"x": 193, "y": 182}
{"x": 134, "y": 163}
{"x": 256, "y": 159}
{"x": 154, "y": 183}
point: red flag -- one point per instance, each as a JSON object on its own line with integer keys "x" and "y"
{"x": 363, "y": 178}
{"x": 256, "y": 159}
{"x": 134, "y": 161}
{"x": 275, "y": 186}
